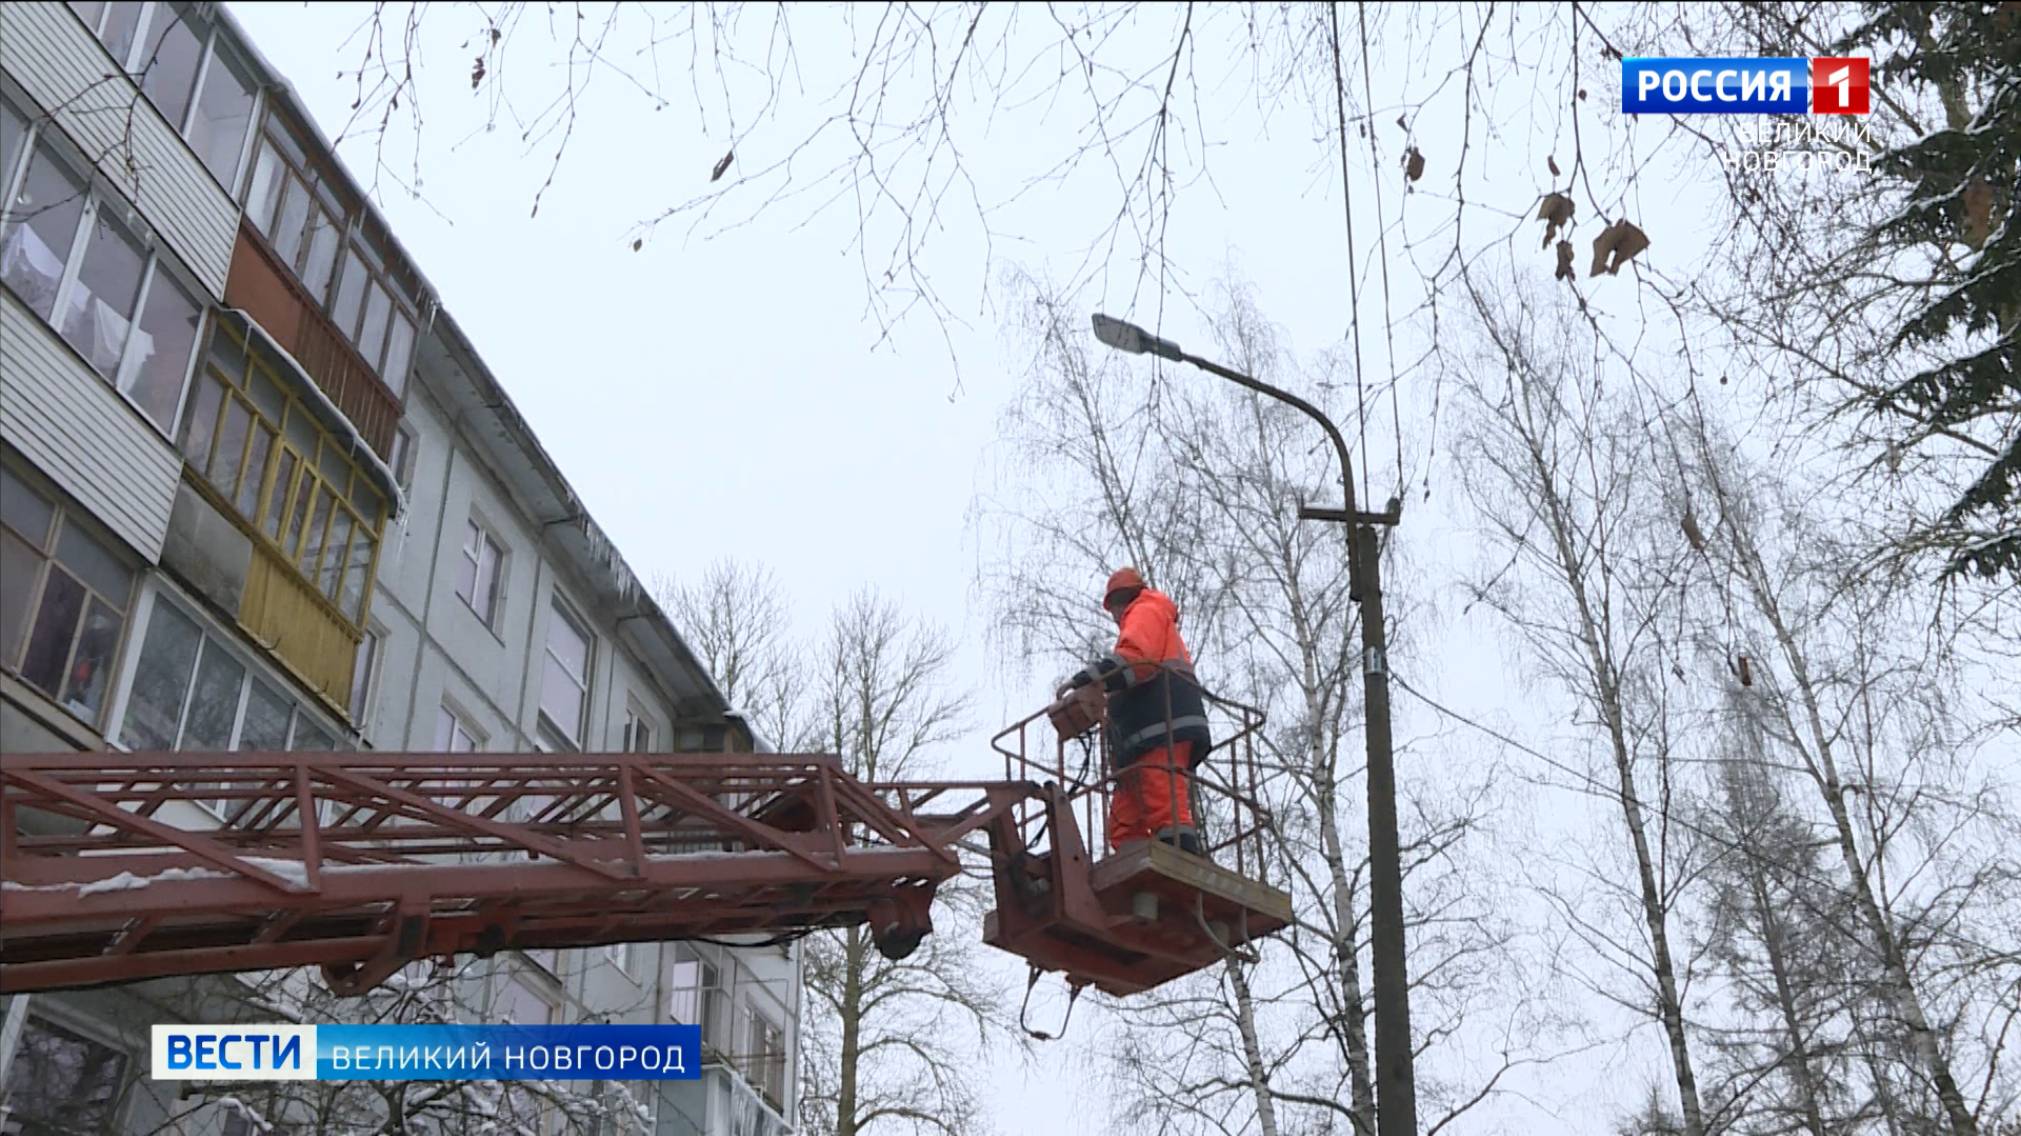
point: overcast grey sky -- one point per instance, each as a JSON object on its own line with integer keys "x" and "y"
{"x": 729, "y": 396}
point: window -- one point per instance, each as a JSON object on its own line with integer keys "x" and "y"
{"x": 402, "y": 458}
{"x": 85, "y": 263}
{"x": 638, "y": 731}
{"x": 764, "y": 1047}
{"x": 481, "y": 573}
{"x": 364, "y": 676}
{"x": 171, "y": 51}
{"x": 187, "y": 70}
{"x": 564, "y": 684}
{"x": 62, "y": 1082}
{"x": 223, "y": 114}
{"x": 695, "y": 995}
{"x": 620, "y": 955}
{"x": 13, "y": 132}
{"x": 192, "y": 692}
{"x": 267, "y": 452}
{"x": 453, "y": 735}
{"x": 63, "y": 599}
{"x": 364, "y": 308}
{"x": 296, "y": 209}
{"x": 337, "y": 251}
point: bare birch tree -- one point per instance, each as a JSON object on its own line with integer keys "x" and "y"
{"x": 893, "y": 1039}
{"x": 888, "y": 1045}
{"x": 1855, "y": 699}
{"x": 1557, "y": 477}
{"x": 736, "y": 619}
{"x": 1775, "y": 930}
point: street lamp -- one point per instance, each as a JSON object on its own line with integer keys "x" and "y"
{"x": 1396, "y": 1082}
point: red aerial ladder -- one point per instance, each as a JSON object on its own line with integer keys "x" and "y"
{"x": 116, "y": 867}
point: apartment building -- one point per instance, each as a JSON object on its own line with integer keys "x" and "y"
{"x": 259, "y": 491}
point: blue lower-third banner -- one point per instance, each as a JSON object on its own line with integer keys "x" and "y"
{"x": 426, "y": 1053}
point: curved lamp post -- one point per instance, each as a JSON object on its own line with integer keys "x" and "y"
{"x": 1396, "y": 1081}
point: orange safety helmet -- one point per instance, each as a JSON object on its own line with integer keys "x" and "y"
{"x": 1122, "y": 580}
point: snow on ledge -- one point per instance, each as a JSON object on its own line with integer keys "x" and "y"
{"x": 334, "y": 417}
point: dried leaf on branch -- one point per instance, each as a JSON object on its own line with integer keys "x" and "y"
{"x": 1555, "y": 211}
{"x": 1616, "y": 245}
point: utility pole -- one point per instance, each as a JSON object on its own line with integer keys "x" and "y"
{"x": 1395, "y": 1075}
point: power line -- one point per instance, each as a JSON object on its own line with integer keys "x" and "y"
{"x": 1353, "y": 264}
{"x": 1382, "y": 253}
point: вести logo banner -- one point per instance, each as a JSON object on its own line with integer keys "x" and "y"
{"x": 1820, "y": 85}
{"x": 426, "y": 1053}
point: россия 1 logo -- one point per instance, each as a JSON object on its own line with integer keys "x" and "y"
{"x": 1822, "y": 85}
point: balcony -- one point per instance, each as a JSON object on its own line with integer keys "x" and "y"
{"x": 265, "y": 288}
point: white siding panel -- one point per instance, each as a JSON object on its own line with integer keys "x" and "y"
{"x": 46, "y": 49}
{"x": 82, "y": 433}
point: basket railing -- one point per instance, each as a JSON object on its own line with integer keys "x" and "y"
{"x": 1069, "y": 743}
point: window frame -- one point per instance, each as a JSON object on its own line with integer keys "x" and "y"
{"x": 560, "y": 608}
{"x": 213, "y": 41}
{"x": 13, "y": 657}
{"x": 487, "y": 538}
{"x": 211, "y": 636}
{"x": 637, "y": 722}
{"x": 300, "y": 161}
{"x": 698, "y": 1002}
{"x": 290, "y": 521}
{"x": 621, "y": 956}
{"x": 406, "y": 443}
{"x": 452, "y": 717}
{"x": 763, "y": 1063}
{"x": 42, "y": 136}
{"x": 363, "y": 696}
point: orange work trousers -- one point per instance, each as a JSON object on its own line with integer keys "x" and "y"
{"x": 1152, "y": 795}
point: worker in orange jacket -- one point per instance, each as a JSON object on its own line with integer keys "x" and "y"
{"x": 1158, "y": 727}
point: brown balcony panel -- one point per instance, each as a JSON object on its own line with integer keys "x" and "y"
{"x": 266, "y": 289}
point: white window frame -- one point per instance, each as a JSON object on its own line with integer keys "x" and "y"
{"x": 701, "y": 1002}
{"x": 458, "y": 723}
{"x": 64, "y": 515}
{"x": 559, "y": 609}
{"x": 638, "y": 722}
{"x": 758, "y": 1064}
{"x": 154, "y": 260}
{"x": 211, "y": 41}
{"x": 620, "y": 956}
{"x": 406, "y": 441}
{"x": 373, "y": 663}
{"x": 210, "y": 636}
{"x": 487, "y": 538}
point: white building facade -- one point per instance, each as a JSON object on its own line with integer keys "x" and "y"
{"x": 261, "y": 493}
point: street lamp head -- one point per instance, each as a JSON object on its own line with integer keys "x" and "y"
{"x": 1133, "y": 339}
